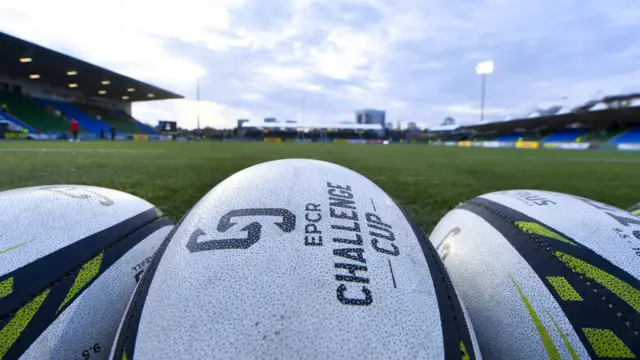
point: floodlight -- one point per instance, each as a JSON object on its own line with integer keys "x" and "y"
{"x": 485, "y": 67}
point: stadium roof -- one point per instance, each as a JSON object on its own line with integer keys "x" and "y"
{"x": 272, "y": 125}
{"x": 630, "y": 115}
{"x": 448, "y": 127}
{"x": 629, "y": 97}
{"x": 24, "y": 60}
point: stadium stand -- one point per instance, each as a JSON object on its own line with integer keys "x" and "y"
{"x": 518, "y": 136}
{"x": 71, "y": 112}
{"x": 630, "y": 136}
{"x": 509, "y": 137}
{"x": 6, "y": 117}
{"x": 145, "y": 128}
{"x": 29, "y": 113}
{"x": 34, "y": 80}
{"x": 565, "y": 135}
{"x": 602, "y": 135}
{"x": 111, "y": 119}
{"x": 577, "y": 126}
{"x": 483, "y": 138}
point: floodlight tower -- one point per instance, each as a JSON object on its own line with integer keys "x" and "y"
{"x": 483, "y": 69}
{"x": 200, "y": 75}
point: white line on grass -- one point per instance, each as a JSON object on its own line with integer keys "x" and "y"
{"x": 80, "y": 150}
{"x": 483, "y": 157}
{"x": 622, "y": 160}
{"x": 545, "y": 158}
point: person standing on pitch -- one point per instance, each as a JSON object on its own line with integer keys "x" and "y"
{"x": 74, "y": 131}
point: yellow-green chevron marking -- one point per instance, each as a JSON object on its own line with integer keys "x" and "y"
{"x": 12, "y": 248}
{"x": 607, "y": 345}
{"x": 10, "y": 332}
{"x": 574, "y": 356}
{"x": 537, "y": 229}
{"x": 564, "y": 289}
{"x": 159, "y": 212}
{"x": 625, "y": 291}
{"x": 88, "y": 271}
{"x": 636, "y": 212}
{"x": 6, "y": 287}
{"x": 463, "y": 349}
{"x": 552, "y": 352}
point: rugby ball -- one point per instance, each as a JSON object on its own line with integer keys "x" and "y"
{"x": 296, "y": 259}
{"x": 545, "y": 275}
{"x": 70, "y": 257}
{"x": 635, "y": 209}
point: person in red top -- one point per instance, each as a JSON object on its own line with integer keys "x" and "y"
{"x": 74, "y": 130}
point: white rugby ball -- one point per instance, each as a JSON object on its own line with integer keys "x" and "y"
{"x": 70, "y": 257}
{"x": 296, "y": 259}
{"x": 545, "y": 275}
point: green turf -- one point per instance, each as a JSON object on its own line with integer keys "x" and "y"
{"x": 427, "y": 180}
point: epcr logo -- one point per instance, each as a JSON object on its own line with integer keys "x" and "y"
{"x": 254, "y": 230}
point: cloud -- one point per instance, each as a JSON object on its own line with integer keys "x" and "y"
{"x": 322, "y": 60}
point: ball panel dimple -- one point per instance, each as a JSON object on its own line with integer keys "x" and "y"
{"x": 607, "y": 345}
{"x": 564, "y": 288}
{"x": 41, "y": 220}
{"x": 12, "y": 330}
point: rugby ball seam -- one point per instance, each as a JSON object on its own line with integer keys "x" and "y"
{"x": 74, "y": 272}
{"x": 445, "y": 281}
{"x": 126, "y": 335}
{"x": 463, "y": 330}
{"x": 624, "y": 318}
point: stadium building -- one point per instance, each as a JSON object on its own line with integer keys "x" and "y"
{"x": 41, "y": 90}
{"x": 610, "y": 123}
{"x": 371, "y": 117}
{"x": 312, "y": 132}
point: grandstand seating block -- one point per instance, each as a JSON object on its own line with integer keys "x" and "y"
{"x": 15, "y": 121}
{"x": 30, "y": 113}
{"x": 517, "y": 137}
{"x": 71, "y": 112}
{"x": 630, "y": 136}
{"x": 565, "y": 135}
{"x": 112, "y": 119}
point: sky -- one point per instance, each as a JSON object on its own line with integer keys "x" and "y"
{"x": 312, "y": 60}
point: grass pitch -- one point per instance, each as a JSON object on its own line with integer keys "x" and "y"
{"x": 429, "y": 181}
